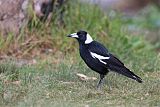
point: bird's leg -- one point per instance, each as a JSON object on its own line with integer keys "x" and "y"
{"x": 100, "y": 83}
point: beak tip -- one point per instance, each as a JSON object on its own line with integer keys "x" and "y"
{"x": 69, "y": 35}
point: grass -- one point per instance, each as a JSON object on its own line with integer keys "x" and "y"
{"x": 52, "y": 81}
{"x": 59, "y": 86}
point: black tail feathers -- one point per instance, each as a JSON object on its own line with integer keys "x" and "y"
{"x": 138, "y": 79}
{"x": 126, "y": 72}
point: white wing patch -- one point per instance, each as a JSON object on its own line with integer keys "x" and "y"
{"x": 99, "y": 57}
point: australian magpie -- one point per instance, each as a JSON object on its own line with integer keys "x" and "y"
{"x": 99, "y": 59}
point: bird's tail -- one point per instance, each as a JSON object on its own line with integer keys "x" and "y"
{"x": 126, "y": 72}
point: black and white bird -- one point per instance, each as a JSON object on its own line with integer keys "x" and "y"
{"x": 98, "y": 58}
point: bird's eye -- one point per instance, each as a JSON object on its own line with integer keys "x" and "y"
{"x": 78, "y": 33}
{"x": 81, "y": 35}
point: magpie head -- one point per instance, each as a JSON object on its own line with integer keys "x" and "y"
{"x": 82, "y": 37}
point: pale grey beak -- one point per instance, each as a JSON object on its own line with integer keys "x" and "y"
{"x": 73, "y": 35}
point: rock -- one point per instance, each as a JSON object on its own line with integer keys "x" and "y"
{"x": 14, "y": 14}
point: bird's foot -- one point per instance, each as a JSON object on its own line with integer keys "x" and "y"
{"x": 101, "y": 82}
{"x": 100, "y": 85}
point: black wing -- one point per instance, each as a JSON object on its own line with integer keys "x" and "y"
{"x": 115, "y": 61}
{"x": 98, "y": 48}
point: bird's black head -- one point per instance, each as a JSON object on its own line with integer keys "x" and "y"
{"x": 82, "y": 37}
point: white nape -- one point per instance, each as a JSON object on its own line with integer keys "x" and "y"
{"x": 99, "y": 57}
{"x": 74, "y": 35}
{"x": 88, "y": 39}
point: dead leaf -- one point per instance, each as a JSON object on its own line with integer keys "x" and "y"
{"x": 84, "y": 77}
{"x": 16, "y": 83}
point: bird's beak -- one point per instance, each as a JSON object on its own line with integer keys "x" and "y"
{"x": 73, "y": 35}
